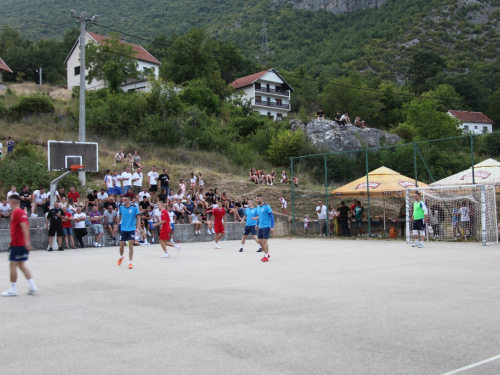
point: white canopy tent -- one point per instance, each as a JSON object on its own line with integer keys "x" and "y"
{"x": 486, "y": 173}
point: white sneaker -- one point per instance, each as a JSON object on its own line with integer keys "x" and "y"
{"x": 9, "y": 293}
{"x": 166, "y": 255}
{"x": 177, "y": 247}
{"x": 414, "y": 244}
{"x": 33, "y": 290}
{"x": 34, "y": 215}
{"x": 208, "y": 231}
{"x": 217, "y": 246}
{"x": 420, "y": 245}
{"x": 149, "y": 234}
{"x": 96, "y": 244}
{"x": 213, "y": 232}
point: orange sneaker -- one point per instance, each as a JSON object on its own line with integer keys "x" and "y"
{"x": 130, "y": 266}
{"x": 120, "y": 261}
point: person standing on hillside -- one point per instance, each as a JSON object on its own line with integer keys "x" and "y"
{"x": 130, "y": 222}
{"x": 165, "y": 181}
{"x": 250, "y": 222}
{"x": 265, "y": 224}
{"x": 137, "y": 181}
{"x": 19, "y": 248}
{"x": 218, "y": 222}
{"x": 153, "y": 178}
{"x": 10, "y": 145}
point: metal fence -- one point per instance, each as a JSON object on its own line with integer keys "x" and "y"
{"x": 421, "y": 162}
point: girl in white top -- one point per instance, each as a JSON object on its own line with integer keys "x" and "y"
{"x": 201, "y": 183}
{"x": 195, "y": 220}
{"x": 182, "y": 186}
{"x": 193, "y": 181}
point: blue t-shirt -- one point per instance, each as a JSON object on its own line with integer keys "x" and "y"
{"x": 128, "y": 218}
{"x": 265, "y": 214}
{"x": 249, "y": 213}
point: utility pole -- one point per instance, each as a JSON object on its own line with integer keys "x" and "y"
{"x": 39, "y": 71}
{"x": 83, "y": 20}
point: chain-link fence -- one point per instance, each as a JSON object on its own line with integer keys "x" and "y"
{"x": 377, "y": 178}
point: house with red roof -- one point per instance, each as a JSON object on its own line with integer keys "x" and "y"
{"x": 3, "y": 68}
{"x": 268, "y": 92}
{"x": 472, "y": 122}
{"x": 145, "y": 62}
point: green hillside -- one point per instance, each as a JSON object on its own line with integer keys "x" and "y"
{"x": 374, "y": 41}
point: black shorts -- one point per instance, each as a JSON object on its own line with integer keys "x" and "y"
{"x": 153, "y": 188}
{"x": 18, "y": 254}
{"x": 264, "y": 233}
{"x": 249, "y": 229}
{"x": 127, "y": 235}
{"x": 419, "y": 224}
{"x": 53, "y": 229}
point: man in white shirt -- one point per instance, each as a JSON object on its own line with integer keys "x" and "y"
{"x": 39, "y": 200}
{"x": 126, "y": 178}
{"x": 465, "y": 220}
{"x": 102, "y": 197}
{"x": 137, "y": 181}
{"x": 110, "y": 184}
{"x": 13, "y": 190}
{"x": 5, "y": 210}
{"x": 345, "y": 119}
{"x": 144, "y": 193}
{"x": 321, "y": 211}
{"x": 119, "y": 156}
{"x": 153, "y": 178}
{"x": 117, "y": 182}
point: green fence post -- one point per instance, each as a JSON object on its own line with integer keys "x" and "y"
{"x": 293, "y": 197}
{"x": 472, "y": 157}
{"x": 415, "y": 163}
{"x": 368, "y": 192}
{"x": 326, "y": 199}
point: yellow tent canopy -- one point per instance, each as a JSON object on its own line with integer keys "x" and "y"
{"x": 383, "y": 182}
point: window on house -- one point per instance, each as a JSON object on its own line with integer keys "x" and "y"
{"x": 475, "y": 127}
{"x": 257, "y": 85}
{"x": 485, "y": 129}
{"x": 258, "y": 99}
{"x": 279, "y": 102}
{"x": 279, "y": 116}
{"x": 77, "y": 70}
{"x": 466, "y": 128}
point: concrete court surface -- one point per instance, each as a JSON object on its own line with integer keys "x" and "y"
{"x": 318, "y": 307}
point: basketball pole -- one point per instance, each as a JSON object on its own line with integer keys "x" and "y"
{"x": 83, "y": 20}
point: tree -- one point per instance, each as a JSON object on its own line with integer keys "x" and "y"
{"x": 113, "y": 61}
{"x": 285, "y": 145}
{"x": 424, "y": 65}
{"x": 447, "y": 98}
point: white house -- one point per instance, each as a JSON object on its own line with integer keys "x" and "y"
{"x": 145, "y": 62}
{"x": 268, "y": 91}
{"x": 473, "y": 122}
{"x": 3, "y": 68}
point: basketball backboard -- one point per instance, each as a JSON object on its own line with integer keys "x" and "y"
{"x": 64, "y": 154}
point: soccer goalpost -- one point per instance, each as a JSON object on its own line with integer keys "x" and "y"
{"x": 461, "y": 212}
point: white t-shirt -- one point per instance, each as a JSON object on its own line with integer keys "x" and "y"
{"x": 109, "y": 181}
{"x": 79, "y": 224}
{"x": 4, "y": 210}
{"x": 119, "y": 156}
{"x": 201, "y": 182}
{"x": 194, "y": 219}
{"x": 102, "y": 197}
{"x": 126, "y": 178}
{"x": 172, "y": 216}
{"x": 178, "y": 196}
{"x": 178, "y": 206}
{"x": 283, "y": 202}
{"x": 39, "y": 197}
{"x": 321, "y": 213}
{"x": 142, "y": 195}
{"x": 343, "y": 118}
{"x": 464, "y": 213}
{"x": 193, "y": 180}
{"x": 153, "y": 178}
{"x": 156, "y": 215}
{"x": 117, "y": 181}
{"x": 139, "y": 181}
{"x": 10, "y": 192}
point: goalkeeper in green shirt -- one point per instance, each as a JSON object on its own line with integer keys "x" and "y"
{"x": 420, "y": 218}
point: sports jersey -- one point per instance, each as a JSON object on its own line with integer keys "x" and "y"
{"x": 464, "y": 213}
{"x": 128, "y": 217}
{"x": 117, "y": 181}
{"x": 165, "y": 216}
{"x": 218, "y": 214}
{"x": 153, "y": 178}
{"x": 266, "y": 217}
{"x": 109, "y": 181}
{"x": 73, "y": 195}
{"x": 95, "y": 214}
{"x": 249, "y": 214}
{"x": 419, "y": 210}
{"x": 16, "y": 232}
{"x": 52, "y": 216}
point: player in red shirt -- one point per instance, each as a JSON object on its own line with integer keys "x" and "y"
{"x": 19, "y": 247}
{"x": 165, "y": 231}
{"x": 218, "y": 222}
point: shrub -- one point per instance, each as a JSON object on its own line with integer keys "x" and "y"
{"x": 285, "y": 145}
{"x": 33, "y": 104}
{"x": 3, "y": 109}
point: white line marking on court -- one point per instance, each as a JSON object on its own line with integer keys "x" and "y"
{"x": 473, "y": 365}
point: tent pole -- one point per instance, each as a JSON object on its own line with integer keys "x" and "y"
{"x": 472, "y": 158}
{"x": 293, "y": 198}
{"x": 326, "y": 200}
{"x": 368, "y": 192}
{"x": 415, "y": 162}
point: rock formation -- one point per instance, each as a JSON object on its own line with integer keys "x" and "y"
{"x": 337, "y": 6}
{"x": 329, "y": 136}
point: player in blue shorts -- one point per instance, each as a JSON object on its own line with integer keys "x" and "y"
{"x": 250, "y": 223}
{"x": 130, "y": 222}
{"x": 265, "y": 225}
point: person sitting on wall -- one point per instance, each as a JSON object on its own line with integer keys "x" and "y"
{"x": 359, "y": 123}
{"x": 320, "y": 115}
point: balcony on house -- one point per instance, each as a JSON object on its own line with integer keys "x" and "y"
{"x": 268, "y": 103}
{"x": 275, "y": 91}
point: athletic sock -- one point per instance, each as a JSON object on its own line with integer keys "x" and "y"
{"x": 129, "y": 262}
{"x": 32, "y": 283}
{"x": 13, "y": 286}
{"x": 267, "y": 255}
{"x": 122, "y": 257}
{"x": 242, "y": 244}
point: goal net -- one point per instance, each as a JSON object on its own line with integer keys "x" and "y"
{"x": 464, "y": 212}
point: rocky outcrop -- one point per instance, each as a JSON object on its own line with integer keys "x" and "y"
{"x": 337, "y": 6}
{"x": 329, "y": 136}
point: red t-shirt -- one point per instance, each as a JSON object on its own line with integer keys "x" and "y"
{"x": 165, "y": 216}
{"x": 67, "y": 224}
{"x": 218, "y": 214}
{"x": 16, "y": 232}
{"x": 74, "y": 196}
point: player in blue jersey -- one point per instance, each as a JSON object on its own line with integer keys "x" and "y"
{"x": 130, "y": 222}
{"x": 250, "y": 223}
{"x": 265, "y": 224}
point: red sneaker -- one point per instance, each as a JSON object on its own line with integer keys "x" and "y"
{"x": 120, "y": 261}
{"x": 268, "y": 256}
{"x": 265, "y": 259}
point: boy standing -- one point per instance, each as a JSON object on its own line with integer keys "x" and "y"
{"x": 19, "y": 247}
{"x": 218, "y": 222}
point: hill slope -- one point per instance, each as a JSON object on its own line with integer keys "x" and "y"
{"x": 375, "y": 41}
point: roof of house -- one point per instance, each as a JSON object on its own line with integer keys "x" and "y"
{"x": 250, "y": 80}
{"x": 474, "y": 117}
{"x": 141, "y": 53}
{"x": 4, "y": 67}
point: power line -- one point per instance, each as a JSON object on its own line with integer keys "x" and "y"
{"x": 35, "y": 27}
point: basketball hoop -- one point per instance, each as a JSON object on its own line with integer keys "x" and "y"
{"x": 75, "y": 168}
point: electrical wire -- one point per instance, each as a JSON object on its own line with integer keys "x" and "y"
{"x": 35, "y": 27}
